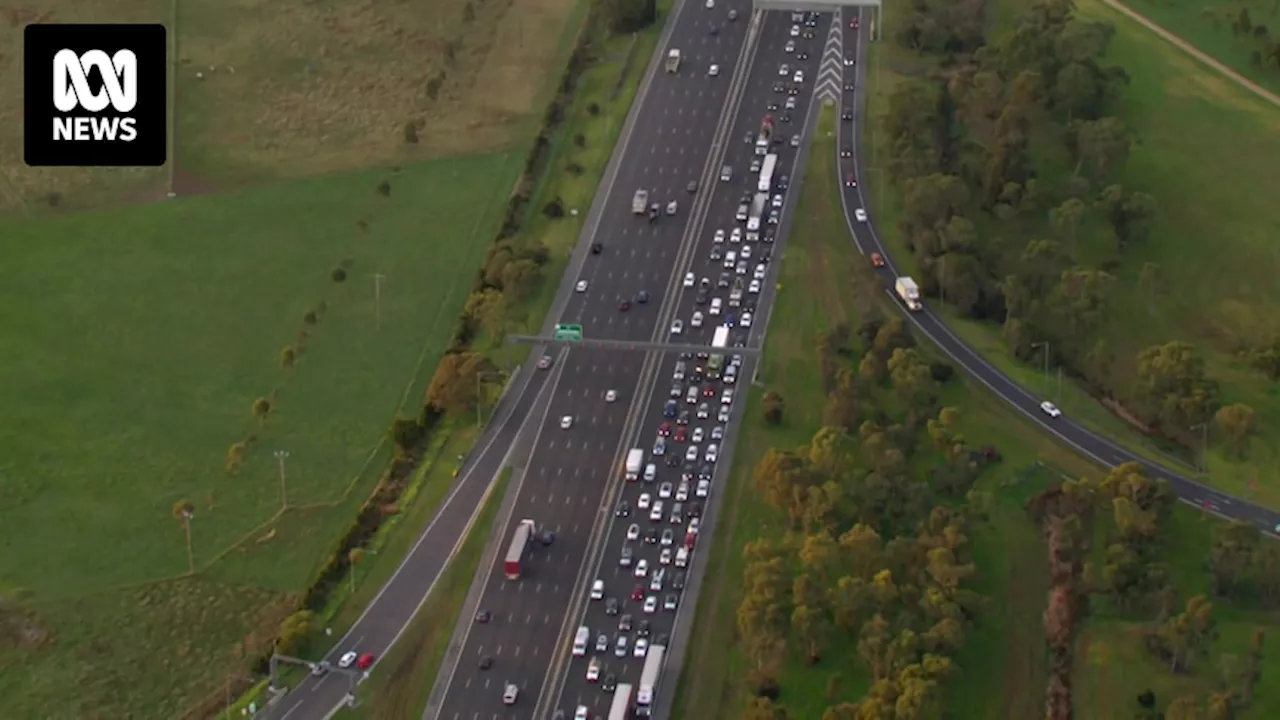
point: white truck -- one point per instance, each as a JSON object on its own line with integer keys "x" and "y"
{"x": 908, "y": 292}
{"x": 640, "y": 202}
{"x": 635, "y": 460}
{"x": 673, "y": 60}
{"x": 757, "y": 211}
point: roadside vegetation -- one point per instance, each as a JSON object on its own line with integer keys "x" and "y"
{"x": 859, "y": 449}
{"x": 160, "y": 354}
{"x": 1051, "y": 183}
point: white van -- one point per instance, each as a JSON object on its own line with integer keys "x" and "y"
{"x": 580, "y": 641}
{"x": 650, "y": 472}
{"x": 730, "y": 259}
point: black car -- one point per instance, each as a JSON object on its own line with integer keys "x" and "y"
{"x": 715, "y": 30}
{"x": 643, "y": 630}
{"x": 611, "y": 606}
{"x": 772, "y": 106}
{"x": 662, "y": 640}
{"x": 784, "y": 182}
{"x": 651, "y": 536}
{"x": 723, "y": 280}
{"x": 748, "y": 138}
{"x": 702, "y": 298}
{"x": 486, "y": 662}
{"x": 597, "y": 248}
{"x": 786, "y": 117}
{"x": 716, "y": 252}
{"x": 683, "y": 419}
{"x": 610, "y": 683}
{"x": 847, "y": 116}
{"x": 548, "y": 537}
{"x": 848, "y": 87}
{"x": 642, "y": 297}
{"x": 672, "y": 460}
{"x": 802, "y": 56}
{"x": 695, "y": 509}
{"x": 793, "y": 90}
{"x": 624, "y": 623}
{"x": 483, "y": 616}
{"x": 777, "y": 87}
{"x": 624, "y": 510}
{"x": 846, "y": 152}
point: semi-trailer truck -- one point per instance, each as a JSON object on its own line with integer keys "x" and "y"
{"x": 515, "y": 552}
{"x": 908, "y": 292}
{"x": 757, "y": 211}
{"x": 635, "y": 460}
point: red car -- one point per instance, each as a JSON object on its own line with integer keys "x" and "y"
{"x": 849, "y": 181}
{"x": 682, "y": 435}
{"x": 638, "y": 593}
{"x": 624, "y": 306}
{"x": 854, "y": 23}
{"x": 664, "y": 429}
{"x": 877, "y": 260}
{"x": 365, "y": 662}
{"x": 709, "y": 391}
{"x": 690, "y": 540}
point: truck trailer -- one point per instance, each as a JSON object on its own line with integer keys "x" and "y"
{"x": 908, "y": 292}
{"x": 756, "y": 214}
{"x": 635, "y": 460}
{"x": 519, "y": 543}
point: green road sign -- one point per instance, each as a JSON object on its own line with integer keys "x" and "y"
{"x": 568, "y": 333}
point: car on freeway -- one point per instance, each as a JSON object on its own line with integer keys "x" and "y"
{"x": 746, "y": 320}
{"x": 620, "y": 646}
{"x": 348, "y": 659}
{"x": 668, "y": 537}
{"x": 1050, "y": 409}
{"x": 850, "y": 61}
{"x": 689, "y": 280}
{"x": 582, "y": 711}
{"x": 691, "y": 455}
{"x": 365, "y": 661}
{"x": 784, "y": 70}
{"x": 633, "y": 531}
{"x": 643, "y": 501}
{"x": 611, "y": 606}
{"x": 610, "y": 396}
{"x": 651, "y": 536}
{"x": 664, "y": 490}
{"x": 566, "y": 422}
{"x": 682, "y": 435}
{"x": 597, "y": 248}
{"x": 672, "y": 207}
{"x": 798, "y": 77}
{"x": 795, "y": 31}
{"x": 723, "y": 415}
{"x": 849, "y": 181}
{"x": 696, "y": 320}
{"x": 677, "y": 326}
{"x": 726, "y": 397}
{"x": 627, "y": 555}
{"x": 847, "y": 116}
{"x": 610, "y": 683}
{"x": 642, "y": 568}
{"x": 860, "y": 215}
{"x": 593, "y": 670}
{"x": 483, "y": 616}
{"x": 655, "y": 512}
{"x": 637, "y": 594}
{"x": 790, "y": 47}
{"x": 853, "y": 23}
{"x": 848, "y": 87}
{"x": 650, "y": 605}
{"x": 682, "y": 491}
{"x": 802, "y": 55}
{"x": 544, "y": 362}
{"x": 664, "y": 558}
{"x": 641, "y": 648}
{"x": 581, "y": 286}
{"x": 704, "y": 488}
{"x": 660, "y": 447}
{"x": 597, "y": 589}
{"x": 669, "y": 604}
{"x": 486, "y": 662}
{"x": 510, "y": 694}
{"x": 877, "y": 260}
{"x": 846, "y": 152}
{"x": 624, "y": 306}
{"x": 713, "y": 70}
{"x": 733, "y": 14}
{"x": 602, "y": 643}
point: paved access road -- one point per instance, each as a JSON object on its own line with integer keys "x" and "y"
{"x": 570, "y": 481}
{"x": 619, "y": 583}
{"x": 1089, "y": 443}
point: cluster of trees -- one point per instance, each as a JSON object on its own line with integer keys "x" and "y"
{"x": 629, "y": 16}
{"x": 1264, "y": 49}
{"x": 963, "y": 149}
{"x": 1128, "y": 578}
{"x": 874, "y": 555}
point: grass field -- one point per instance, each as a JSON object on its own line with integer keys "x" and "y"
{"x": 1212, "y": 28}
{"x": 1002, "y": 668}
{"x": 1203, "y": 154}
{"x": 266, "y": 90}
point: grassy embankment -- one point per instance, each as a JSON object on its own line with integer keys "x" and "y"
{"x": 1205, "y": 155}
{"x": 1002, "y": 665}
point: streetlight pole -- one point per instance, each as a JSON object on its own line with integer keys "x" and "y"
{"x": 1204, "y": 445}
{"x": 1045, "y": 346}
{"x": 281, "y": 456}
{"x": 480, "y": 376}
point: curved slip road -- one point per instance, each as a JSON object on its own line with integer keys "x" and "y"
{"x": 1089, "y": 443}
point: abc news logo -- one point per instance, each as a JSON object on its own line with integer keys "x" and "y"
{"x": 95, "y": 95}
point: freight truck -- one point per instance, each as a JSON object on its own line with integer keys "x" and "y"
{"x": 908, "y": 292}
{"x": 766, "y": 132}
{"x": 519, "y": 543}
{"x": 757, "y": 211}
{"x": 635, "y": 460}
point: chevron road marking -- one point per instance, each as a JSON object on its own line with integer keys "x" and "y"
{"x": 831, "y": 71}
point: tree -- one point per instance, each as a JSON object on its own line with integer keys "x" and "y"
{"x": 1175, "y": 387}
{"x": 1232, "y": 558}
{"x": 1101, "y": 147}
{"x": 1237, "y": 422}
{"x": 519, "y": 278}
{"x": 1067, "y": 218}
{"x": 295, "y": 632}
{"x": 630, "y": 16}
{"x": 355, "y": 556}
{"x": 487, "y": 309}
{"x": 873, "y": 645}
{"x": 456, "y": 385}
{"x": 773, "y": 407}
{"x": 778, "y": 474}
{"x": 261, "y": 408}
{"x": 812, "y": 629}
{"x": 183, "y": 511}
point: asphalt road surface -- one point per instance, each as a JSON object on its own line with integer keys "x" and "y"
{"x": 573, "y": 476}
{"x": 1086, "y": 441}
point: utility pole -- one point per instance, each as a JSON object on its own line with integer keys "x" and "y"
{"x": 377, "y": 299}
{"x": 942, "y": 281}
{"x": 1058, "y": 397}
{"x": 1204, "y": 445}
{"x": 480, "y": 376}
{"x": 1045, "y": 346}
{"x": 281, "y": 456}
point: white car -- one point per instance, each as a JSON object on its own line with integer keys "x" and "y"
{"x": 719, "y": 236}
{"x": 597, "y": 589}
{"x": 736, "y": 235}
{"x": 716, "y": 304}
{"x": 723, "y": 415}
{"x": 798, "y": 77}
{"x": 693, "y": 526}
{"x": 672, "y": 207}
{"x": 790, "y": 47}
{"x": 717, "y": 432}
{"x": 784, "y": 70}
{"x": 655, "y": 513}
{"x": 689, "y": 280}
{"x": 670, "y": 603}
{"x": 642, "y": 568}
{"x": 777, "y": 200}
{"x": 509, "y": 694}
{"x": 650, "y": 605}
{"x": 677, "y": 326}
{"x": 754, "y": 287}
{"x": 582, "y": 712}
{"x": 620, "y": 647}
{"x": 759, "y": 272}
{"x": 790, "y": 103}
{"x": 746, "y": 252}
{"x": 610, "y": 396}
{"x": 593, "y": 670}
{"x": 643, "y": 502}
{"x": 713, "y": 453}
{"x": 860, "y": 215}
{"x": 665, "y": 557}
{"x": 633, "y": 531}
{"x": 795, "y": 141}
{"x": 711, "y": 4}
{"x": 704, "y": 488}
{"x": 691, "y": 455}
{"x": 641, "y": 649}
{"x": 714, "y": 70}
{"x": 581, "y": 286}
{"x": 697, "y": 435}
{"x": 726, "y": 397}
{"x": 682, "y": 492}
{"x": 1050, "y": 409}
{"x": 795, "y": 31}
{"x": 664, "y": 490}
{"x": 347, "y": 659}
{"x": 566, "y": 422}
{"x": 745, "y": 320}
{"x": 696, "y": 320}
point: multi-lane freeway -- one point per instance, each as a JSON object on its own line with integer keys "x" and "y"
{"x": 684, "y": 128}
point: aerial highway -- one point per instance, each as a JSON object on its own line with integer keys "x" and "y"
{"x": 1086, "y": 441}
{"x": 625, "y": 292}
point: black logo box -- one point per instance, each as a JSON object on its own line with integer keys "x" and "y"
{"x": 151, "y": 46}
